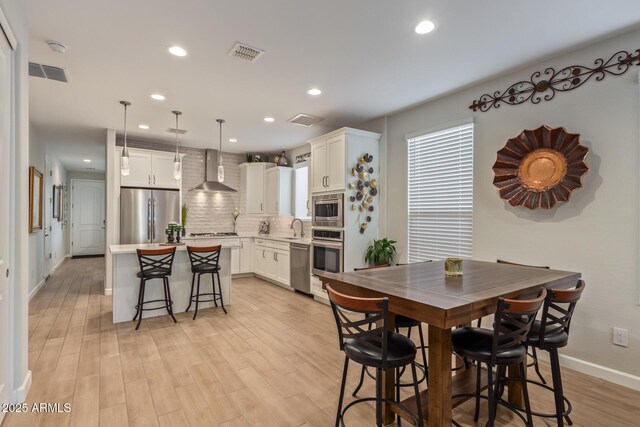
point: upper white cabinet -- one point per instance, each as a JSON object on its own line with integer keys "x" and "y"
{"x": 253, "y": 187}
{"x": 150, "y": 169}
{"x": 329, "y": 157}
{"x": 279, "y": 191}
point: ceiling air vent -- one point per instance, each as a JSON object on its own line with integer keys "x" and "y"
{"x": 246, "y": 52}
{"x": 303, "y": 119}
{"x": 179, "y": 131}
{"x": 48, "y": 72}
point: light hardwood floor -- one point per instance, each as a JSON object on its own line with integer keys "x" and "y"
{"x": 272, "y": 361}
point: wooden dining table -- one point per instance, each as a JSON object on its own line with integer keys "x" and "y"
{"x": 422, "y": 291}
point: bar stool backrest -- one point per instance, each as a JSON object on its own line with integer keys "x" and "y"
{"x": 513, "y": 321}
{"x": 558, "y": 309}
{"x": 370, "y": 330}
{"x": 204, "y": 255}
{"x": 156, "y": 259}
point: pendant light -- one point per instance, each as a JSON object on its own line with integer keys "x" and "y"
{"x": 124, "y": 159}
{"x": 220, "y": 167}
{"x": 177, "y": 163}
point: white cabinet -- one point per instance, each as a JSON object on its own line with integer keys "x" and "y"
{"x": 242, "y": 257}
{"x": 272, "y": 260}
{"x": 235, "y": 260}
{"x": 328, "y": 164}
{"x": 150, "y": 169}
{"x": 252, "y": 187}
{"x": 279, "y": 191}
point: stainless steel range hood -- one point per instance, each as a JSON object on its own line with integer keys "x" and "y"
{"x": 211, "y": 182}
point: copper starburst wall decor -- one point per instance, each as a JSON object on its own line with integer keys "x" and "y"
{"x": 540, "y": 167}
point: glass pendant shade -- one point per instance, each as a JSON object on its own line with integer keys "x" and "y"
{"x": 220, "y": 173}
{"x": 177, "y": 168}
{"x": 124, "y": 160}
{"x": 220, "y": 167}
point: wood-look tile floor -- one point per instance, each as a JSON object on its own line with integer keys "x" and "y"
{"x": 272, "y": 361}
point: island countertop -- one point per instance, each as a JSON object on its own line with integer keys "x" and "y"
{"x": 131, "y": 249}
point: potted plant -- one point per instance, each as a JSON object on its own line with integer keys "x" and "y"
{"x": 381, "y": 252}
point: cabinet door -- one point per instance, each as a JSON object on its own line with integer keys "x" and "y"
{"x": 270, "y": 267}
{"x": 246, "y": 256}
{"x": 272, "y": 192}
{"x": 140, "y": 170}
{"x": 235, "y": 260}
{"x": 336, "y": 163}
{"x": 318, "y": 166}
{"x": 283, "y": 262}
{"x": 254, "y": 189}
{"x": 259, "y": 260}
{"x": 162, "y": 171}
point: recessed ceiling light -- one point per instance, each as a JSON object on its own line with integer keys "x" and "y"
{"x": 143, "y": 126}
{"x": 177, "y": 51}
{"x": 233, "y": 140}
{"x": 158, "y": 96}
{"x": 269, "y": 119}
{"x": 314, "y": 92}
{"x": 87, "y": 160}
{"x": 425, "y": 27}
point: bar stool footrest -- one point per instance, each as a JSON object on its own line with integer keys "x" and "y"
{"x": 373, "y": 399}
{"x": 501, "y": 401}
{"x": 167, "y": 306}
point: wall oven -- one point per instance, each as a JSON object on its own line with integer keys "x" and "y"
{"x": 328, "y": 210}
{"x": 327, "y": 251}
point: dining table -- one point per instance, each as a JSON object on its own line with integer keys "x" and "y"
{"x": 424, "y": 292}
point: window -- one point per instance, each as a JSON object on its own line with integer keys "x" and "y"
{"x": 441, "y": 194}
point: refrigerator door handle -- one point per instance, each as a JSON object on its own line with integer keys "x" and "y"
{"x": 154, "y": 219}
{"x": 148, "y": 219}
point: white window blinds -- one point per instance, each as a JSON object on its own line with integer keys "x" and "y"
{"x": 441, "y": 194}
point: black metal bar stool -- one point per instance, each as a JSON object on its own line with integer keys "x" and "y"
{"x": 204, "y": 260}
{"x": 363, "y": 335}
{"x": 505, "y": 345}
{"x": 154, "y": 264}
{"x": 549, "y": 334}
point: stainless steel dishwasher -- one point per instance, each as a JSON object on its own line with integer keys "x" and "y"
{"x": 300, "y": 268}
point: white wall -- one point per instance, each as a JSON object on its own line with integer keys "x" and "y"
{"x": 595, "y": 233}
{"x": 39, "y": 269}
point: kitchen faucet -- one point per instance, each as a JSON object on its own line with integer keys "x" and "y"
{"x": 294, "y": 230}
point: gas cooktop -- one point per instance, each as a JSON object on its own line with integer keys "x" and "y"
{"x": 218, "y": 234}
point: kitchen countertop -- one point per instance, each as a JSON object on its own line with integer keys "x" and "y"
{"x": 131, "y": 249}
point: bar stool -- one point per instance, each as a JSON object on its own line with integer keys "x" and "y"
{"x": 401, "y": 322}
{"x": 154, "y": 264}
{"x": 550, "y": 333}
{"x": 505, "y": 345}
{"x": 366, "y": 341}
{"x": 204, "y": 260}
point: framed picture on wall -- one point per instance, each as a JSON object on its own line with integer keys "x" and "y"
{"x": 35, "y": 199}
{"x": 60, "y": 203}
{"x": 56, "y": 202}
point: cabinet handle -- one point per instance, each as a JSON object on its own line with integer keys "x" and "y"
{"x": 260, "y": 207}
{"x": 241, "y": 244}
{"x": 263, "y": 254}
{"x": 149, "y": 179}
{"x": 327, "y": 181}
{"x": 277, "y": 204}
{"x": 323, "y": 181}
{"x": 154, "y": 179}
{"x": 274, "y": 256}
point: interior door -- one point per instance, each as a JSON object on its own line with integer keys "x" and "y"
{"x": 48, "y": 214}
{"x": 87, "y": 224}
{"x": 6, "y": 67}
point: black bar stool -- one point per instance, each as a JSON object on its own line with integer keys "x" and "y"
{"x": 550, "y": 333}
{"x": 154, "y": 264}
{"x": 204, "y": 260}
{"x": 365, "y": 340}
{"x": 505, "y": 345}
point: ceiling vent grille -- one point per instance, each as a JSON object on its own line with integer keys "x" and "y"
{"x": 179, "y": 131}
{"x": 303, "y": 119}
{"x": 246, "y": 52}
{"x": 48, "y": 72}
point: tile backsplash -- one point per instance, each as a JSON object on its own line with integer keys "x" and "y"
{"x": 211, "y": 212}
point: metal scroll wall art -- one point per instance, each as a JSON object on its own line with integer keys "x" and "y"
{"x": 366, "y": 188}
{"x": 543, "y": 85}
{"x": 540, "y": 167}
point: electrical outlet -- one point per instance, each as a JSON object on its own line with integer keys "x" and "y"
{"x": 621, "y": 337}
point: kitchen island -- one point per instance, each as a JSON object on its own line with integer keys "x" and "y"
{"x": 126, "y": 284}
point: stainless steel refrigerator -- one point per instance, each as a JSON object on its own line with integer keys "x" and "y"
{"x": 145, "y": 214}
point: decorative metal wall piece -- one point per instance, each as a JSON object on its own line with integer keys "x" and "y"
{"x": 543, "y": 85}
{"x": 366, "y": 189}
{"x": 540, "y": 167}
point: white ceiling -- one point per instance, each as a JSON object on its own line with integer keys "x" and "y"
{"x": 363, "y": 54}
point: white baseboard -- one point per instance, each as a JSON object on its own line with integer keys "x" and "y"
{"x": 57, "y": 266}
{"x": 594, "y": 370}
{"x": 20, "y": 394}
{"x": 108, "y": 292}
{"x": 36, "y": 289}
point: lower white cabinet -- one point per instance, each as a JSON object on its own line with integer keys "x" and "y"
{"x": 242, "y": 257}
{"x": 272, "y": 260}
{"x": 235, "y": 260}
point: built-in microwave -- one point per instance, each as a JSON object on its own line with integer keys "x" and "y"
{"x": 328, "y": 210}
